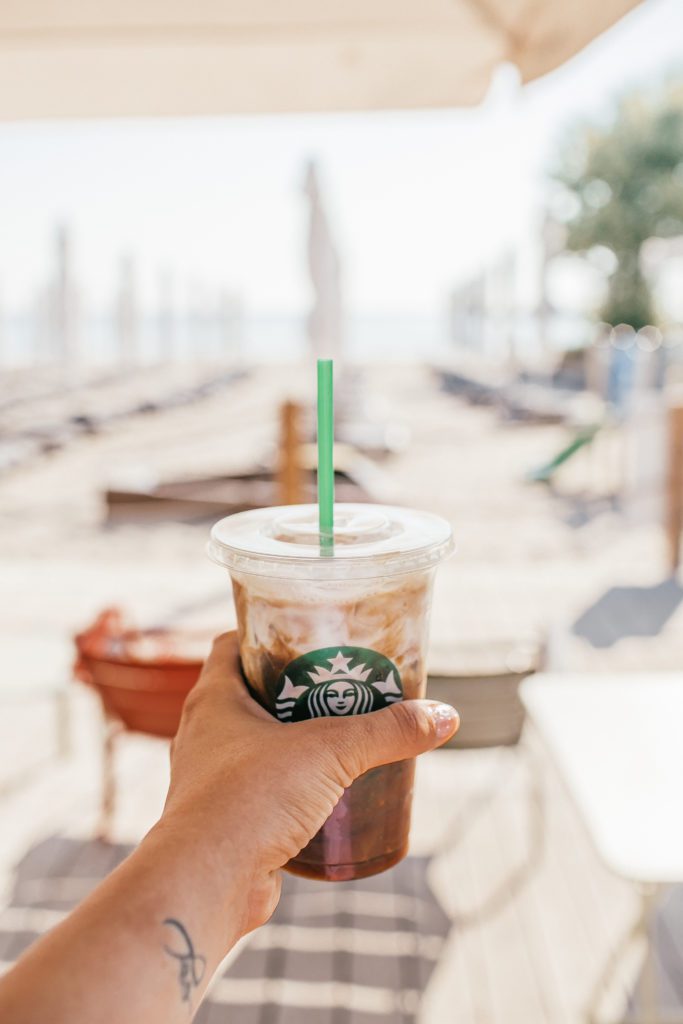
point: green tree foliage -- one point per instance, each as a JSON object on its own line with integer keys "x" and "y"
{"x": 626, "y": 180}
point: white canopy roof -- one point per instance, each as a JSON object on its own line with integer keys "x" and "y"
{"x": 99, "y": 58}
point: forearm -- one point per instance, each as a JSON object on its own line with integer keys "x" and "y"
{"x": 247, "y": 793}
{"x": 143, "y": 947}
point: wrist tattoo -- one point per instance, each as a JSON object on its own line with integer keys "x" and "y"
{"x": 191, "y": 964}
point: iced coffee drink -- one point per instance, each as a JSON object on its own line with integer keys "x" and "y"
{"x": 336, "y": 634}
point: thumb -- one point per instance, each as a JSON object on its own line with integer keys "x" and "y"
{"x": 401, "y": 731}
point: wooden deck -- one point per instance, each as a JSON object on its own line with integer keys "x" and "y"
{"x": 492, "y": 920}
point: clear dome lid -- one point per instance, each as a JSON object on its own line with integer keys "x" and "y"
{"x": 369, "y": 541}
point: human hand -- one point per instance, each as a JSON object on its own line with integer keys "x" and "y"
{"x": 257, "y": 790}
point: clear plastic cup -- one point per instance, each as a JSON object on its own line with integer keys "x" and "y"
{"x": 338, "y": 633}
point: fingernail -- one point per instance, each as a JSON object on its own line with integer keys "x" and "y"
{"x": 445, "y": 719}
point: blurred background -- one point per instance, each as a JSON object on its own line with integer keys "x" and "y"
{"x": 477, "y": 210}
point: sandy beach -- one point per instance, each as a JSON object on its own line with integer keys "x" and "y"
{"x": 529, "y": 563}
{"x": 529, "y": 560}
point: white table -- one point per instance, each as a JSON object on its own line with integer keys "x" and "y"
{"x": 618, "y": 744}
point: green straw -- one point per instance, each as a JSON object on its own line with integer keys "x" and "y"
{"x": 325, "y": 453}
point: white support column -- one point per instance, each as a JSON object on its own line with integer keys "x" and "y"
{"x": 127, "y": 320}
{"x": 62, "y": 327}
{"x": 166, "y": 317}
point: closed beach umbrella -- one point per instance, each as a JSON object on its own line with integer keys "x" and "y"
{"x": 76, "y": 58}
{"x": 325, "y": 318}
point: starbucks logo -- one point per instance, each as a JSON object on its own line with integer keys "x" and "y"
{"x": 336, "y": 681}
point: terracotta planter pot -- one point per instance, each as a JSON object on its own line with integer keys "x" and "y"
{"x": 141, "y": 676}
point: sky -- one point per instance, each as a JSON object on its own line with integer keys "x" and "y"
{"x": 418, "y": 201}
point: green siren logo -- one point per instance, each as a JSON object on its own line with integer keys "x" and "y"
{"x": 336, "y": 681}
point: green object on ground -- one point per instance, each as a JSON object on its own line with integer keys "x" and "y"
{"x": 545, "y": 473}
